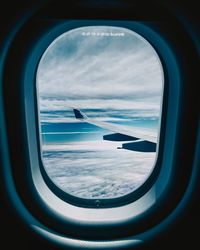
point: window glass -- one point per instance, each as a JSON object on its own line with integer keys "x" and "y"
{"x": 99, "y": 99}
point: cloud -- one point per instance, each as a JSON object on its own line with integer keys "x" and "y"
{"x": 97, "y": 169}
{"x": 118, "y": 73}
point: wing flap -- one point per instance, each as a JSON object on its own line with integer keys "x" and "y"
{"x": 119, "y": 137}
{"x": 140, "y": 146}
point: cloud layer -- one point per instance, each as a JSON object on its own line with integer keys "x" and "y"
{"x": 104, "y": 73}
{"x": 94, "y": 170}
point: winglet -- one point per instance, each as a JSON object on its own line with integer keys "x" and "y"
{"x": 79, "y": 115}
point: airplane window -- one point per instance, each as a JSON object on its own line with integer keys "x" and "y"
{"x": 99, "y": 94}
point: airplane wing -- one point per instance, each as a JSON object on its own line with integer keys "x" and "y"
{"x": 143, "y": 142}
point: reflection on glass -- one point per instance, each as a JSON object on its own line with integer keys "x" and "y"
{"x": 99, "y": 99}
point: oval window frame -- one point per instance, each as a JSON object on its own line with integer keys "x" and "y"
{"x": 46, "y": 42}
{"x": 132, "y": 211}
